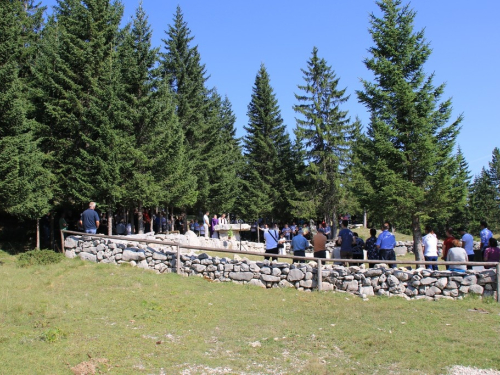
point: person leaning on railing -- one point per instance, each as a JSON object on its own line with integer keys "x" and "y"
{"x": 457, "y": 254}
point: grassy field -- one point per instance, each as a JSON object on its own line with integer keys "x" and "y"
{"x": 64, "y": 318}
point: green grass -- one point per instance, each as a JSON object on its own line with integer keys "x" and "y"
{"x": 364, "y": 233}
{"x": 126, "y": 320}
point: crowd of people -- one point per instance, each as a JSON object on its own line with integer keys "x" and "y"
{"x": 457, "y": 247}
{"x": 381, "y": 247}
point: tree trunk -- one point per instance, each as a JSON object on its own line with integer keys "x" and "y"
{"x": 140, "y": 221}
{"x": 38, "y": 233}
{"x": 365, "y": 221}
{"x": 52, "y": 231}
{"x": 258, "y": 229}
{"x": 417, "y": 238}
{"x": 151, "y": 221}
{"x": 131, "y": 220}
{"x": 110, "y": 222}
{"x": 334, "y": 224}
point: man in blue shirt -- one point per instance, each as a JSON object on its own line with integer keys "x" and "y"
{"x": 345, "y": 240}
{"x": 286, "y": 231}
{"x": 385, "y": 243}
{"x": 328, "y": 231}
{"x": 299, "y": 245}
{"x": 485, "y": 235}
{"x": 90, "y": 219}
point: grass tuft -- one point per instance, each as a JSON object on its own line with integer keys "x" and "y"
{"x": 38, "y": 257}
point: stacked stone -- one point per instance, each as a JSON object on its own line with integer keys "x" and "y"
{"x": 381, "y": 280}
{"x": 160, "y": 258}
{"x": 415, "y": 284}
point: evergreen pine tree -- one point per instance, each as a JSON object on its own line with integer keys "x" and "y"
{"x": 226, "y": 161}
{"x": 483, "y": 202}
{"x": 267, "y": 152}
{"x": 409, "y": 144}
{"x": 181, "y": 66}
{"x": 157, "y": 152}
{"x": 326, "y": 133}
{"x": 461, "y": 180}
{"x": 79, "y": 103}
{"x": 26, "y": 182}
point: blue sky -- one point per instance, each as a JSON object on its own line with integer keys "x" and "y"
{"x": 235, "y": 37}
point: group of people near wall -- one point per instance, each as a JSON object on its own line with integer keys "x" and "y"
{"x": 461, "y": 249}
{"x": 381, "y": 247}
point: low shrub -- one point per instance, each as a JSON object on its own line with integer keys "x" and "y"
{"x": 53, "y": 335}
{"x": 38, "y": 257}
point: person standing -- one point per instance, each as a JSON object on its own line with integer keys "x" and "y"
{"x": 287, "y": 231}
{"x": 319, "y": 243}
{"x": 328, "y": 231}
{"x": 385, "y": 244}
{"x": 345, "y": 240}
{"x": 206, "y": 224}
{"x": 253, "y": 232}
{"x": 492, "y": 252}
{"x": 293, "y": 229}
{"x": 429, "y": 244}
{"x": 357, "y": 247}
{"x": 468, "y": 245}
{"x": 90, "y": 219}
{"x": 447, "y": 244}
{"x": 299, "y": 245}
{"x": 223, "y": 219}
{"x": 485, "y": 235}
{"x": 371, "y": 247}
{"x": 196, "y": 228}
{"x": 63, "y": 224}
{"x": 271, "y": 237}
{"x": 215, "y": 222}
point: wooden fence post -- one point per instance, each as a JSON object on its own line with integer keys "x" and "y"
{"x": 62, "y": 241}
{"x": 498, "y": 282}
{"x": 178, "y": 263}
{"x": 320, "y": 275}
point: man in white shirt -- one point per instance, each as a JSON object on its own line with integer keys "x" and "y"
{"x": 468, "y": 245}
{"x": 206, "y": 224}
{"x": 429, "y": 243}
{"x": 272, "y": 237}
{"x": 222, "y": 219}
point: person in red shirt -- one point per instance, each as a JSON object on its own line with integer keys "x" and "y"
{"x": 447, "y": 244}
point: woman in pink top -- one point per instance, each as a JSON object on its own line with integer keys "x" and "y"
{"x": 492, "y": 253}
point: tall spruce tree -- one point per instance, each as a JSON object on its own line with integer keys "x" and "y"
{"x": 226, "y": 161}
{"x": 26, "y": 183}
{"x": 461, "y": 180}
{"x": 181, "y": 66}
{"x": 408, "y": 149}
{"x": 267, "y": 153}
{"x": 483, "y": 202}
{"x": 484, "y": 199}
{"x": 79, "y": 104}
{"x": 157, "y": 152}
{"x": 325, "y": 131}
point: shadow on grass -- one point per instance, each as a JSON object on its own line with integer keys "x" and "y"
{"x": 17, "y": 237}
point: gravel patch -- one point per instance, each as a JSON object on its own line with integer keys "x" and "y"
{"x": 462, "y": 370}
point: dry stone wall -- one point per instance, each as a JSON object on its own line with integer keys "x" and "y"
{"x": 409, "y": 284}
